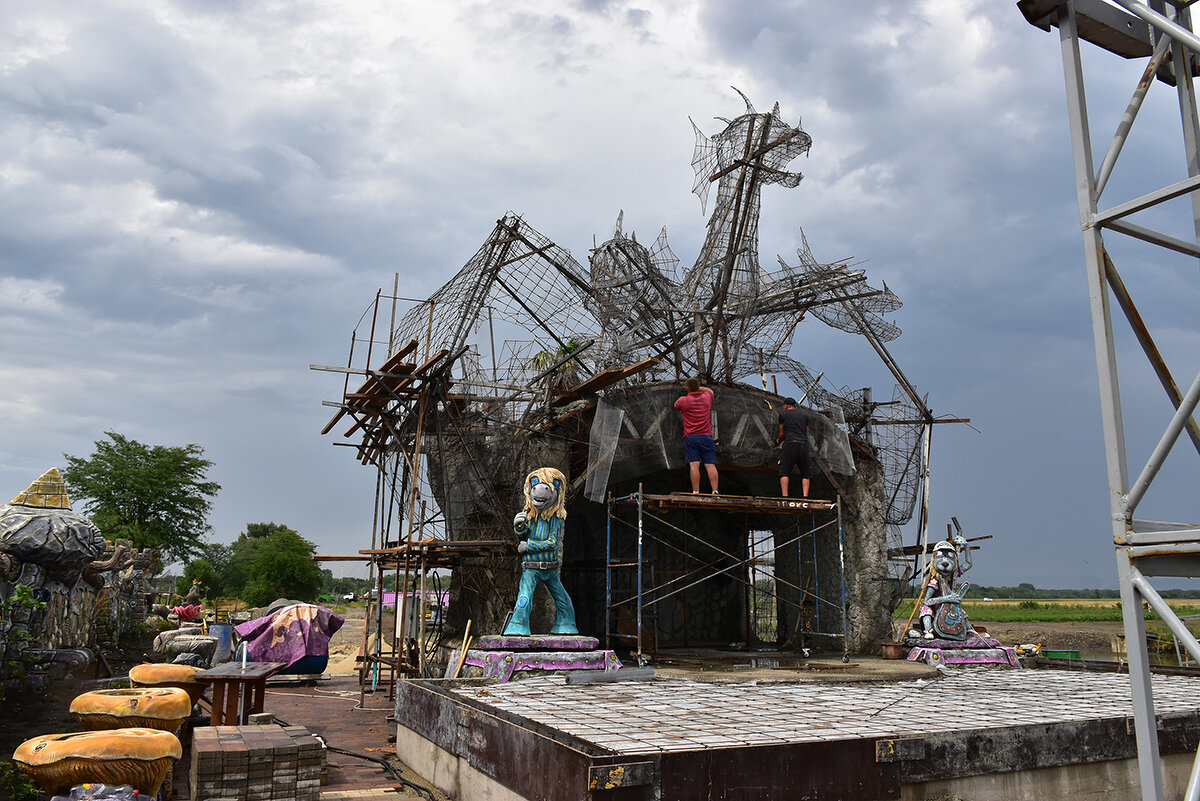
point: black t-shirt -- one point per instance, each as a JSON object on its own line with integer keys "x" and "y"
{"x": 795, "y": 424}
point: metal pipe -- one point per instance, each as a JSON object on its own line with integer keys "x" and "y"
{"x": 1167, "y": 615}
{"x": 1193, "y": 788}
{"x": 1185, "y": 87}
{"x": 1131, "y": 112}
{"x": 639, "y": 574}
{"x": 1169, "y": 437}
{"x": 842, "y": 566}
{"x": 1145, "y": 724}
{"x": 816, "y": 578}
{"x": 1169, "y": 27}
{"x": 1147, "y": 342}
{"x": 608, "y": 575}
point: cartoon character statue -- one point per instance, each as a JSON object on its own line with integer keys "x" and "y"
{"x": 539, "y": 526}
{"x": 942, "y": 615}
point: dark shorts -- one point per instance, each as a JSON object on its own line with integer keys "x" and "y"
{"x": 699, "y": 448}
{"x": 794, "y": 453}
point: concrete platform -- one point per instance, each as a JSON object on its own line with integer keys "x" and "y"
{"x": 975, "y": 733}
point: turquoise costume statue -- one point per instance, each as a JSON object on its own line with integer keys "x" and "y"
{"x": 539, "y": 527}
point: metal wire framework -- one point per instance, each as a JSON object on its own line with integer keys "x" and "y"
{"x": 1163, "y": 35}
{"x": 522, "y": 338}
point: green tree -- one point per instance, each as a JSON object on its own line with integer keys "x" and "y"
{"x": 235, "y": 566}
{"x": 282, "y": 566}
{"x": 211, "y": 583}
{"x": 567, "y": 373}
{"x": 156, "y": 496}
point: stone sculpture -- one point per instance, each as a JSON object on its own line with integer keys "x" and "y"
{"x": 942, "y": 615}
{"x": 539, "y": 528}
{"x": 943, "y": 635}
{"x": 151, "y": 674}
{"x": 40, "y": 528}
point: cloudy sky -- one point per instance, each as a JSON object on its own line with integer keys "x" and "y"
{"x": 199, "y": 200}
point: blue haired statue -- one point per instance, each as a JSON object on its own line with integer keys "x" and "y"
{"x": 539, "y": 527}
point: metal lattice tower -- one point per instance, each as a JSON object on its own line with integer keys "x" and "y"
{"x": 1160, "y": 33}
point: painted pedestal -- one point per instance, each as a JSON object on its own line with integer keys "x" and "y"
{"x": 505, "y": 657}
{"x": 972, "y": 651}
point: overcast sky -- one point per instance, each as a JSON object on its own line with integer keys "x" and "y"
{"x": 199, "y": 200}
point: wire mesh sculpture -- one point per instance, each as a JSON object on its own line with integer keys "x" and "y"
{"x": 560, "y": 325}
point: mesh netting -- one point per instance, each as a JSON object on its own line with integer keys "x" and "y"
{"x": 897, "y": 433}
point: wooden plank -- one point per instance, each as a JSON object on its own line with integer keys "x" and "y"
{"x": 415, "y": 374}
{"x": 375, "y": 384}
{"x": 398, "y": 357}
{"x": 598, "y": 381}
{"x": 736, "y": 503}
{"x": 333, "y": 422}
{"x": 394, "y": 359}
{"x": 602, "y": 379}
{"x": 644, "y": 364}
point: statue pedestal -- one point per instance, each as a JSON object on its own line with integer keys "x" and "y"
{"x": 971, "y": 651}
{"x": 504, "y": 657}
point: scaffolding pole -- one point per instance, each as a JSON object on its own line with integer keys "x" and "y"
{"x": 645, "y": 597}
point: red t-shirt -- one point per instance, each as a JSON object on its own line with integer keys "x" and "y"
{"x": 697, "y": 412}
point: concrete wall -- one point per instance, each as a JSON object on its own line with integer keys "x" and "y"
{"x": 1115, "y": 779}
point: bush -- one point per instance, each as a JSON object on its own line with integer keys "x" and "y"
{"x": 16, "y": 785}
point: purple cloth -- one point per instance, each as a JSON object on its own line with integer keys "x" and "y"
{"x": 290, "y": 634}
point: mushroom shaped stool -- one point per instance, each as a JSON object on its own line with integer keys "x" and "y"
{"x": 137, "y": 757}
{"x": 140, "y": 707}
{"x": 151, "y": 674}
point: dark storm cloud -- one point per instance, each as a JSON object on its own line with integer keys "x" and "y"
{"x": 200, "y": 200}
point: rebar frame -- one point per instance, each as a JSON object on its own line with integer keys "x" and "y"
{"x": 1143, "y": 548}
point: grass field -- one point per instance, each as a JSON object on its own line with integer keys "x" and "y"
{"x": 1049, "y": 610}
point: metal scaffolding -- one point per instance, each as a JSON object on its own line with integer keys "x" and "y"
{"x": 525, "y": 355}
{"x": 1162, "y": 34}
{"x": 701, "y": 560}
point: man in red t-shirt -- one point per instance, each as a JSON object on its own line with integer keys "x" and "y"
{"x": 696, "y": 407}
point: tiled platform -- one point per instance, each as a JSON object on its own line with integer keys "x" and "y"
{"x": 631, "y": 718}
{"x": 969, "y": 732}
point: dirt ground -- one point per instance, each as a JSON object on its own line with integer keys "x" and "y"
{"x": 344, "y": 645}
{"x": 1096, "y": 636}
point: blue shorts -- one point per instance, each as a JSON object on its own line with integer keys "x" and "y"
{"x": 699, "y": 448}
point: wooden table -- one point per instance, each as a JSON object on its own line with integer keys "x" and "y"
{"x": 236, "y": 684}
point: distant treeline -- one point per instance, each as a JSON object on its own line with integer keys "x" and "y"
{"x": 1027, "y": 590}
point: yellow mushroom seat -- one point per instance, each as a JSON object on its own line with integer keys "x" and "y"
{"x": 152, "y": 674}
{"x": 141, "y": 707}
{"x": 137, "y": 757}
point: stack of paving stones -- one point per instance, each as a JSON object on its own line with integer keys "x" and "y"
{"x": 256, "y": 763}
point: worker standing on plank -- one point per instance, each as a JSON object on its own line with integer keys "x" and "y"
{"x": 793, "y": 442}
{"x": 698, "y": 446}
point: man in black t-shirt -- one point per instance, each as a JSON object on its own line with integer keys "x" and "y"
{"x": 793, "y": 437}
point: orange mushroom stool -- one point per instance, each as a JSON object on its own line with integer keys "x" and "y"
{"x": 141, "y": 707}
{"x": 137, "y": 757}
{"x": 152, "y": 674}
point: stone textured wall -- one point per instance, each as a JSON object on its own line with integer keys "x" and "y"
{"x": 869, "y": 589}
{"x": 79, "y": 611}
